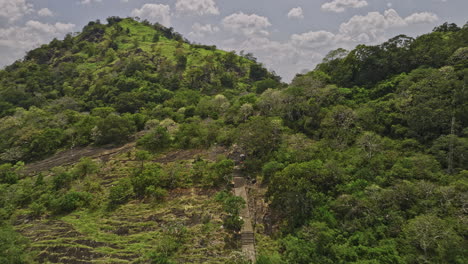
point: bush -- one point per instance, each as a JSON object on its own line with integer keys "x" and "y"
{"x": 192, "y": 135}
{"x": 220, "y": 172}
{"x": 274, "y": 259}
{"x": 46, "y": 143}
{"x": 269, "y": 170}
{"x": 156, "y": 140}
{"x": 12, "y": 246}
{"x": 37, "y": 209}
{"x": 71, "y": 201}
{"x": 113, "y": 129}
{"x": 166, "y": 247}
{"x": 120, "y": 193}
{"x": 8, "y": 174}
{"x": 61, "y": 179}
{"x": 232, "y": 205}
{"x": 156, "y": 193}
{"x": 149, "y": 176}
{"x": 86, "y": 167}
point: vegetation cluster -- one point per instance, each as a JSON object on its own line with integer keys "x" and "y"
{"x": 365, "y": 158}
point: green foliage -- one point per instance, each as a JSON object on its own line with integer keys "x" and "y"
{"x": 86, "y": 166}
{"x": 13, "y": 247}
{"x": 151, "y": 181}
{"x": 275, "y": 259}
{"x": 232, "y": 206}
{"x": 8, "y": 174}
{"x": 262, "y": 86}
{"x": 433, "y": 240}
{"x": 45, "y": 143}
{"x": 61, "y": 179}
{"x": 114, "y": 129}
{"x": 120, "y": 193}
{"x": 258, "y": 138}
{"x": 269, "y": 170}
{"x": 71, "y": 201}
{"x": 364, "y": 158}
{"x": 158, "y": 139}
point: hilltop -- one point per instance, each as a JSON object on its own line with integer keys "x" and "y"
{"x": 119, "y": 145}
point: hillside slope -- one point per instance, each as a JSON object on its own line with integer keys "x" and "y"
{"x": 363, "y": 160}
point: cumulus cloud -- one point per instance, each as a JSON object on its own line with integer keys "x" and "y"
{"x": 339, "y": 6}
{"x": 199, "y": 30}
{"x": 247, "y": 25}
{"x": 305, "y": 50}
{"x": 424, "y": 17}
{"x": 372, "y": 26}
{"x": 16, "y": 40}
{"x": 155, "y": 13}
{"x": 12, "y": 10}
{"x": 296, "y": 12}
{"x": 87, "y": 2}
{"x": 197, "y": 7}
{"x": 45, "y": 12}
{"x": 313, "y": 39}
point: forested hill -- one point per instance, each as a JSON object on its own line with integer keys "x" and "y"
{"x": 362, "y": 160}
{"x": 130, "y": 66}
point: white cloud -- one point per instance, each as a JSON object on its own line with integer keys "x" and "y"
{"x": 304, "y": 51}
{"x": 339, "y": 6}
{"x": 154, "y": 13}
{"x": 248, "y": 25}
{"x": 199, "y": 30}
{"x": 197, "y": 7}
{"x": 313, "y": 39}
{"x": 87, "y": 2}
{"x": 45, "y": 12}
{"x": 372, "y": 26}
{"x": 12, "y": 10}
{"x": 296, "y": 12}
{"x": 16, "y": 40}
{"x": 424, "y": 17}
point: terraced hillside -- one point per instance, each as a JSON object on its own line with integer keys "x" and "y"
{"x": 119, "y": 145}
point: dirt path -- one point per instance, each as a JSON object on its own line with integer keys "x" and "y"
{"x": 247, "y": 232}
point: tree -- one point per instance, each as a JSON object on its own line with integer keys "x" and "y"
{"x": 45, "y": 143}
{"x": 113, "y": 129}
{"x": 433, "y": 239}
{"x": 157, "y": 139}
{"x": 258, "y": 137}
{"x": 8, "y": 174}
{"x": 86, "y": 167}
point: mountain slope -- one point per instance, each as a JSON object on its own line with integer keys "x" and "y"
{"x": 363, "y": 160}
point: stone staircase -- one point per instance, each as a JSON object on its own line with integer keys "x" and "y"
{"x": 247, "y": 232}
{"x": 247, "y": 238}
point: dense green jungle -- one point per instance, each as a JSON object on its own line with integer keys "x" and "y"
{"x": 118, "y": 144}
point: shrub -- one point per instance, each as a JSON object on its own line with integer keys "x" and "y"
{"x": 232, "y": 206}
{"x": 270, "y": 168}
{"x": 37, "y": 209}
{"x": 61, "y": 179}
{"x": 8, "y": 174}
{"x": 113, "y": 129}
{"x": 156, "y": 193}
{"x": 120, "y": 193}
{"x": 71, "y": 201}
{"x": 156, "y": 140}
{"x": 218, "y": 173}
{"x": 86, "y": 167}
{"x": 149, "y": 176}
{"x": 12, "y": 246}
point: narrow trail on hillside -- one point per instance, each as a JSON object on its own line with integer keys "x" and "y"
{"x": 247, "y": 232}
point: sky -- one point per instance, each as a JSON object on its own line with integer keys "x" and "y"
{"x": 288, "y": 36}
